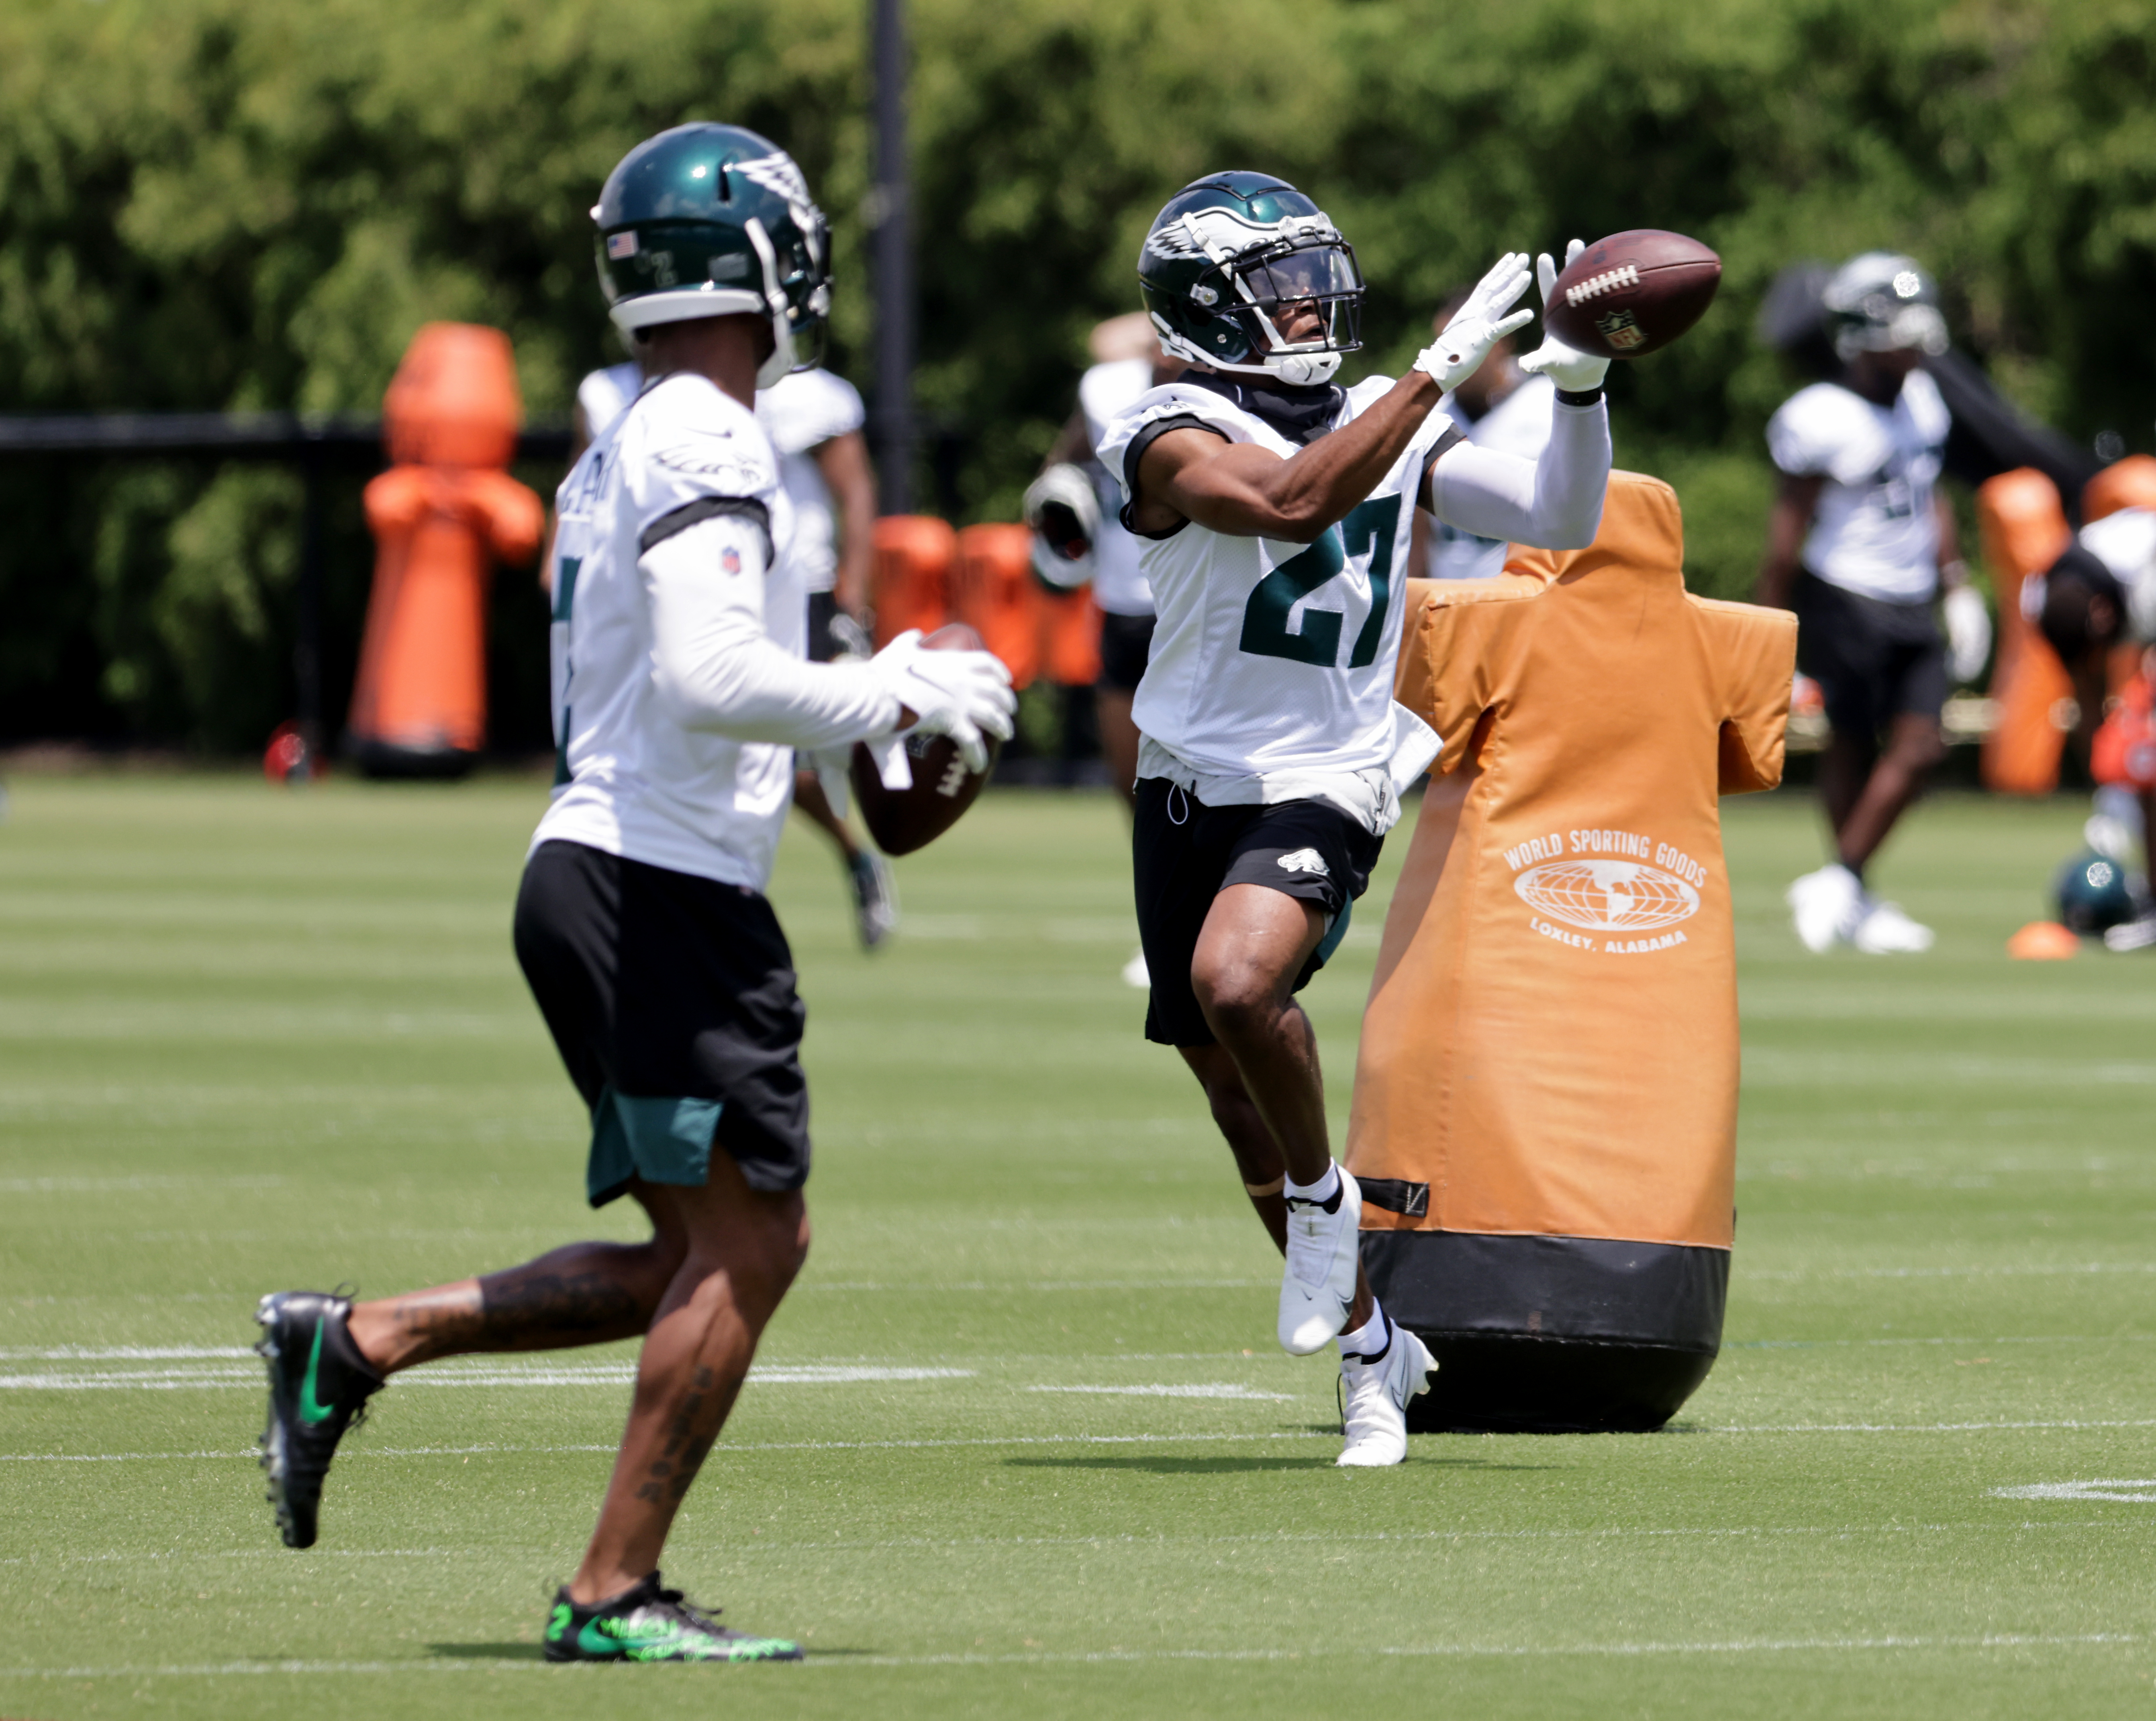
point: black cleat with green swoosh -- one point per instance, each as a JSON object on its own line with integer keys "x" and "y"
{"x": 318, "y": 1388}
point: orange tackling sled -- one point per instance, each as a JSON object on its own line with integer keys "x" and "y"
{"x": 2024, "y": 529}
{"x": 1545, "y": 1109}
{"x": 912, "y": 574}
{"x": 441, "y": 516}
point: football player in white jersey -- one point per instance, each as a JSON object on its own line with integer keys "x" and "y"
{"x": 1859, "y": 543}
{"x": 2101, "y": 593}
{"x": 813, "y": 419}
{"x": 681, "y": 691}
{"x": 1276, "y": 511}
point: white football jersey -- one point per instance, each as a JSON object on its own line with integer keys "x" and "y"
{"x": 605, "y": 395}
{"x": 629, "y": 779}
{"x": 1873, "y": 532}
{"x": 2125, "y": 542}
{"x": 1518, "y": 425}
{"x": 799, "y": 413}
{"x": 1119, "y": 579}
{"x": 1273, "y": 659}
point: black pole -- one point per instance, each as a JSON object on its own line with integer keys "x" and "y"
{"x": 891, "y": 226}
{"x": 307, "y": 644}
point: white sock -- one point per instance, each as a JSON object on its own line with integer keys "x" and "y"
{"x": 1368, "y": 1339}
{"x": 1321, "y": 1192}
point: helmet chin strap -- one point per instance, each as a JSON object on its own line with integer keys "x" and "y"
{"x": 1302, "y": 368}
{"x": 781, "y": 360}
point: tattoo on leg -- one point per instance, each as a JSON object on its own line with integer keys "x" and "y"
{"x": 527, "y": 1304}
{"x": 672, "y": 1471}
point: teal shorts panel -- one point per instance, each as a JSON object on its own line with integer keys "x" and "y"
{"x": 662, "y": 1141}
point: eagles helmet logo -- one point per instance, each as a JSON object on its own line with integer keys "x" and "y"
{"x": 1226, "y": 262}
{"x": 709, "y": 220}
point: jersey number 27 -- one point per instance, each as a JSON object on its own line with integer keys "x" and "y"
{"x": 1369, "y": 531}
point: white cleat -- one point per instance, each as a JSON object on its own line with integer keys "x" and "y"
{"x": 1136, "y": 975}
{"x": 2136, "y": 934}
{"x": 1827, "y": 907}
{"x": 1317, "y": 1285}
{"x": 1886, "y": 931}
{"x": 1374, "y": 1392}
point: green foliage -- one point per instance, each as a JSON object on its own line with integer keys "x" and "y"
{"x": 253, "y": 203}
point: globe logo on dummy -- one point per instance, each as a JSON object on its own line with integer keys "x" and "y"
{"x": 1608, "y": 895}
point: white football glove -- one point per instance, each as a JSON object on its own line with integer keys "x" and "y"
{"x": 1575, "y": 371}
{"x": 1480, "y": 324}
{"x": 1969, "y": 633}
{"x": 965, "y": 695}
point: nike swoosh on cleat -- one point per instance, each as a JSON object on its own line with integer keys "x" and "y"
{"x": 592, "y": 1640}
{"x": 312, "y": 1409}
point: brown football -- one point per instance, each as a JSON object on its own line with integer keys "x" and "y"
{"x": 904, "y": 820}
{"x": 1633, "y": 293}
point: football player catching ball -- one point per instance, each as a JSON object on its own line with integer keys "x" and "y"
{"x": 1277, "y": 508}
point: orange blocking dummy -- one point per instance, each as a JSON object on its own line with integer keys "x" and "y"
{"x": 1545, "y": 1110}
{"x": 442, "y": 514}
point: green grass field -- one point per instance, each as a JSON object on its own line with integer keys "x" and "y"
{"x": 1020, "y": 1443}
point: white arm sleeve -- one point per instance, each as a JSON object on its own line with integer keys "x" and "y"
{"x": 1554, "y": 503}
{"x": 716, "y": 669}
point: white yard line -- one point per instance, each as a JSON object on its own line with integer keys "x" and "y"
{"x": 1004, "y": 1287}
{"x": 1260, "y": 1538}
{"x": 1707, "y": 1646}
{"x": 119, "y": 1352}
{"x": 1205, "y": 1390}
{"x": 362, "y": 1450}
{"x": 487, "y": 1372}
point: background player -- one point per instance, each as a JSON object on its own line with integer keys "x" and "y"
{"x": 2099, "y": 593}
{"x": 1275, "y": 508}
{"x": 813, "y": 419}
{"x": 1501, "y": 406}
{"x": 1128, "y": 361}
{"x": 641, "y": 925}
{"x": 1860, "y": 541}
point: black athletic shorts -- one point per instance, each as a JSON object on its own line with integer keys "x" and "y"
{"x": 671, "y": 1000}
{"x": 1873, "y": 660}
{"x": 1126, "y": 644}
{"x": 1185, "y": 853}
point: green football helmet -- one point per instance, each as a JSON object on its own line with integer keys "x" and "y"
{"x": 2095, "y": 893}
{"x": 1225, "y": 254}
{"x": 709, "y": 220}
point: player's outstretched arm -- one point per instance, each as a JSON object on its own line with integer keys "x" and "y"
{"x": 716, "y": 669}
{"x": 1243, "y": 491}
{"x": 1247, "y": 491}
{"x": 1553, "y": 502}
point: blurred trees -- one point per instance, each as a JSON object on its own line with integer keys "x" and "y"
{"x": 251, "y": 204}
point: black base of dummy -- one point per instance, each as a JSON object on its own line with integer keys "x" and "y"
{"x": 1495, "y": 1384}
{"x": 1552, "y": 1335}
{"x": 379, "y": 759}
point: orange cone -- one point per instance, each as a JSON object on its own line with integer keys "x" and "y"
{"x": 2043, "y": 941}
